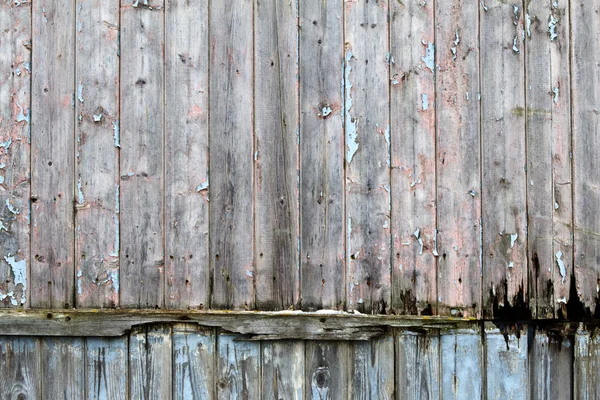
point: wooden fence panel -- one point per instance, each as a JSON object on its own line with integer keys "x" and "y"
{"x": 417, "y": 366}
{"x": 20, "y": 368}
{"x": 412, "y": 136}
{"x": 150, "y": 362}
{"x": 63, "y": 372}
{"x": 106, "y": 372}
{"x": 462, "y": 365}
{"x": 237, "y": 368}
{"x": 327, "y": 370}
{"x": 551, "y": 366}
{"x": 282, "y": 370}
{"x": 15, "y": 115}
{"x": 193, "y": 362}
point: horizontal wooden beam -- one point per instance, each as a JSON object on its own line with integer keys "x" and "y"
{"x": 322, "y": 325}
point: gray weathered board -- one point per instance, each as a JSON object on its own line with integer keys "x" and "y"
{"x": 186, "y": 361}
{"x": 408, "y": 157}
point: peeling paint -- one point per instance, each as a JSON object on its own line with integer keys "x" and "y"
{"x": 483, "y": 5}
{"x": 386, "y": 135}
{"x": 349, "y": 122}
{"x": 6, "y": 144}
{"x": 19, "y": 269}
{"x": 115, "y": 252}
{"x": 389, "y": 59}
{"x": 513, "y": 239}
{"x": 552, "y": 22}
{"x": 80, "y": 198}
{"x": 429, "y": 58}
{"x": 435, "y": 251}
{"x": 22, "y": 116}
{"x": 204, "y": 185}
{"x": 80, "y": 92}
{"x": 511, "y": 264}
{"x": 2, "y": 226}
{"x": 528, "y": 24}
{"x": 561, "y": 265}
{"x": 117, "y": 133}
{"x": 555, "y": 4}
{"x": 326, "y": 110}
{"x": 455, "y": 47}
{"x": 11, "y": 208}
{"x": 515, "y": 48}
{"x": 555, "y": 98}
{"x": 79, "y": 288}
{"x": 27, "y": 66}
{"x": 424, "y": 101}
{"x": 555, "y": 205}
{"x": 97, "y": 117}
{"x": 417, "y": 234}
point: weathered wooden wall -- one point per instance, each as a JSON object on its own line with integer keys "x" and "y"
{"x": 408, "y": 157}
{"x": 186, "y": 361}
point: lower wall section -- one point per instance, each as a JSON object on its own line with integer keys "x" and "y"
{"x": 186, "y": 361}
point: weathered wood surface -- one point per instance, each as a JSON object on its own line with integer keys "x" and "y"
{"x": 237, "y": 368}
{"x": 20, "y": 368}
{"x": 15, "y": 116}
{"x": 322, "y": 150}
{"x": 458, "y": 159}
{"x": 586, "y": 365}
{"x": 417, "y": 366}
{"x": 141, "y": 251}
{"x": 462, "y": 365}
{"x": 585, "y": 33}
{"x": 150, "y": 355}
{"x": 193, "y": 357}
{"x": 327, "y": 373}
{"x": 276, "y": 154}
{"x": 63, "y": 372}
{"x": 503, "y": 163}
{"x": 413, "y": 165}
{"x": 282, "y": 368}
{"x": 367, "y": 131}
{"x": 106, "y": 371}
{"x": 550, "y": 362}
{"x": 53, "y": 150}
{"x": 97, "y": 154}
{"x": 186, "y": 155}
{"x": 549, "y": 200}
{"x": 372, "y": 369}
{"x": 231, "y": 141}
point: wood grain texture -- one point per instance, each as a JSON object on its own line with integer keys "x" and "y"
{"x": 551, "y": 366}
{"x": 186, "y": 154}
{"x": 327, "y": 370}
{"x": 106, "y": 369}
{"x": 462, "y": 366}
{"x": 549, "y": 199}
{"x": 282, "y": 370}
{"x": 322, "y": 149}
{"x": 63, "y": 372}
{"x": 412, "y": 137}
{"x": 52, "y": 144}
{"x": 506, "y": 365}
{"x": 458, "y": 158}
{"x": 585, "y": 34}
{"x": 141, "y": 251}
{"x": 372, "y": 368}
{"x": 586, "y": 365}
{"x": 417, "y": 366}
{"x": 367, "y": 131}
{"x": 15, "y": 113}
{"x": 97, "y": 157}
{"x": 193, "y": 362}
{"x": 504, "y": 219}
{"x": 20, "y": 368}
{"x": 150, "y": 362}
{"x": 231, "y": 154}
{"x": 276, "y": 154}
{"x": 238, "y": 368}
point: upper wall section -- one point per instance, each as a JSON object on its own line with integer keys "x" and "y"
{"x": 384, "y": 156}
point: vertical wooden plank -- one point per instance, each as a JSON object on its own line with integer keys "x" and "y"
{"x": 186, "y": 154}
{"x": 193, "y": 362}
{"x": 150, "y": 362}
{"x": 52, "y": 149}
{"x": 503, "y": 157}
{"x": 412, "y": 111}
{"x": 458, "y": 158}
{"x": 282, "y": 370}
{"x": 586, "y": 366}
{"x": 15, "y": 112}
{"x": 327, "y": 370}
{"x": 63, "y": 372}
{"x": 106, "y": 368}
{"x": 276, "y": 154}
{"x": 367, "y": 130}
{"x": 372, "y": 366}
{"x": 585, "y": 36}
{"x": 231, "y": 153}
{"x": 238, "y": 368}
{"x": 141, "y": 130}
{"x": 506, "y": 362}
{"x": 548, "y": 156}
{"x": 321, "y": 156}
{"x": 462, "y": 365}
{"x": 417, "y": 366}
{"x": 551, "y": 365}
{"x": 97, "y": 157}
{"x": 20, "y": 368}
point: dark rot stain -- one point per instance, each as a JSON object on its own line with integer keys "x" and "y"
{"x": 515, "y": 310}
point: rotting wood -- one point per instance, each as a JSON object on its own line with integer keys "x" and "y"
{"x": 141, "y": 250}
{"x": 231, "y": 154}
{"x": 97, "y": 154}
{"x": 458, "y": 159}
{"x": 106, "y": 369}
{"x": 327, "y": 370}
{"x": 417, "y": 366}
{"x": 187, "y": 273}
{"x": 367, "y": 131}
{"x": 412, "y": 136}
{"x": 322, "y": 152}
{"x": 15, "y": 115}
{"x": 504, "y": 220}
{"x": 549, "y": 200}
{"x": 462, "y": 366}
{"x": 52, "y": 163}
{"x": 276, "y": 154}
{"x": 586, "y": 365}
{"x": 551, "y": 366}
{"x": 257, "y": 325}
